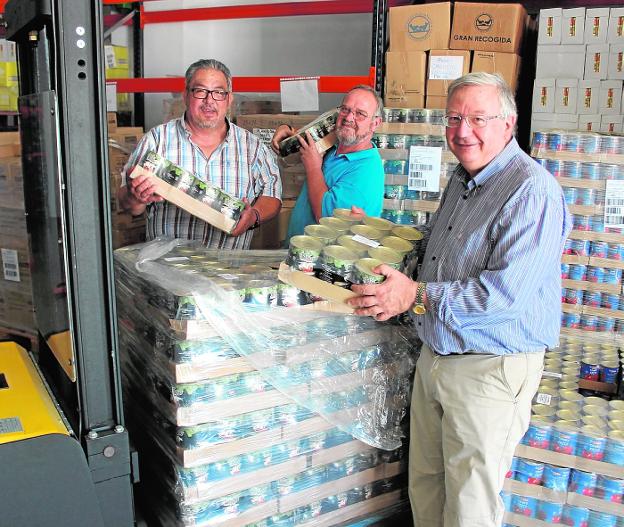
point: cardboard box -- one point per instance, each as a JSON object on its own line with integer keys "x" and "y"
{"x": 615, "y": 33}
{"x": 588, "y": 95}
{"x": 610, "y": 100}
{"x": 111, "y": 121}
{"x": 543, "y": 96}
{"x": 596, "y": 25}
{"x": 589, "y": 123}
{"x": 419, "y": 27}
{"x": 553, "y": 121}
{"x": 507, "y": 65}
{"x": 615, "y": 69}
{"x": 264, "y": 126}
{"x": 488, "y": 27}
{"x": 271, "y": 235}
{"x": 549, "y": 28}
{"x": 560, "y": 61}
{"x": 597, "y": 61}
{"x": 566, "y": 95}
{"x": 611, "y": 123}
{"x": 405, "y": 79}
{"x": 445, "y": 65}
{"x": 573, "y": 26}
{"x": 436, "y": 101}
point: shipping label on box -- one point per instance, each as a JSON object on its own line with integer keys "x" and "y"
{"x": 419, "y": 27}
{"x": 615, "y": 34}
{"x": 596, "y": 25}
{"x": 560, "y": 61}
{"x": 597, "y": 61}
{"x": 405, "y": 79}
{"x": 507, "y": 65}
{"x": 589, "y": 123}
{"x": 610, "y": 100}
{"x": 549, "y": 29}
{"x": 588, "y": 95}
{"x": 573, "y": 26}
{"x": 488, "y": 27}
{"x": 543, "y": 96}
{"x": 444, "y": 67}
{"x": 566, "y": 95}
{"x": 615, "y": 70}
{"x": 611, "y": 124}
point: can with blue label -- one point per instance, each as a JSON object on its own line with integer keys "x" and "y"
{"x": 591, "y": 443}
{"x": 582, "y": 482}
{"x": 610, "y": 301}
{"x": 612, "y": 276}
{"x": 541, "y": 161}
{"x": 553, "y": 141}
{"x": 556, "y": 478}
{"x": 578, "y": 272}
{"x": 570, "y": 195}
{"x": 590, "y": 143}
{"x": 528, "y": 471}
{"x": 609, "y": 371}
{"x": 506, "y": 497}
{"x": 555, "y": 167}
{"x": 571, "y": 142}
{"x": 564, "y": 437}
{"x": 565, "y": 271}
{"x": 596, "y": 224}
{"x": 572, "y": 169}
{"x": 573, "y": 296}
{"x": 580, "y": 247}
{"x": 395, "y": 166}
{"x": 605, "y": 324}
{"x": 567, "y": 246}
{"x": 598, "y": 249}
{"x": 595, "y": 274}
{"x": 614, "y": 449}
{"x": 548, "y": 511}
{"x": 610, "y": 489}
{"x": 615, "y": 251}
{"x": 580, "y": 223}
{"x": 590, "y": 370}
{"x": 575, "y": 516}
{"x": 540, "y": 140}
{"x": 592, "y": 298}
{"x": 524, "y": 505}
{"x": 602, "y": 519}
{"x": 412, "y": 194}
{"x": 590, "y": 170}
{"x": 589, "y": 323}
{"x": 571, "y": 320}
{"x": 585, "y": 196}
{"x": 610, "y": 144}
{"x": 394, "y": 191}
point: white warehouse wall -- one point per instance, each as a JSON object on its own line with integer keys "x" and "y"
{"x": 281, "y": 46}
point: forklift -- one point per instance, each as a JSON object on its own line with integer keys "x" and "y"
{"x": 64, "y": 448}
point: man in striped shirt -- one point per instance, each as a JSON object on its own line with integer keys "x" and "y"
{"x": 486, "y": 303}
{"x": 208, "y": 145}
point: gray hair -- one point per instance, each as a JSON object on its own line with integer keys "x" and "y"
{"x": 208, "y": 64}
{"x": 378, "y": 99}
{"x": 505, "y": 95}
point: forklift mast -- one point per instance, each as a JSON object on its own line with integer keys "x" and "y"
{"x": 63, "y": 127}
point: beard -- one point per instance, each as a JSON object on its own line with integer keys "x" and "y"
{"x": 349, "y": 137}
{"x": 201, "y": 122}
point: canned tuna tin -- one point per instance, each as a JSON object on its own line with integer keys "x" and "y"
{"x": 591, "y": 443}
{"x": 325, "y": 235}
{"x": 598, "y": 249}
{"x": 556, "y": 478}
{"x": 595, "y": 274}
{"x": 578, "y": 272}
{"x": 363, "y": 272}
{"x": 304, "y": 252}
{"x": 335, "y": 264}
{"x": 340, "y": 226}
{"x": 564, "y": 437}
{"x": 608, "y": 372}
{"x": 590, "y": 370}
{"x": 538, "y": 434}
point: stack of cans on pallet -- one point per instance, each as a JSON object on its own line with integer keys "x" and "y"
{"x": 402, "y": 128}
{"x": 245, "y": 402}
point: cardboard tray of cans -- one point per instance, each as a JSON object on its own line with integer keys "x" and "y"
{"x": 225, "y": 218}
{"x": 410, "y": 128}
{"x": 321, "y": 130}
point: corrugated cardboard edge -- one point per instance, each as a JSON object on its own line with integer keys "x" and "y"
{"x": 335, "y": 296}
{"x": 186, "y": 202}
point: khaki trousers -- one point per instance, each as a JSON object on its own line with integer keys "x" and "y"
{"x": 468, "y": 413}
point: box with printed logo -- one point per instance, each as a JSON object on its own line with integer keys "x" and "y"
{"x": 610, "y": 98}
{"x": 616, "y": 62}
{"x": 445, "y": 65}
{"x": 596, "y": 25}
{"x": 611, "y": 123}
{"x": 405, "y": 79}
{"x": 566, "y": 95}
{"x": 549, "y": 28}
{"x": 615, "y": 33}
{"x": 544, "y": 96}
{"x": 588, "y": 94}
{"x": 419, "y": 27}
{"x": 573, "y": 26}
{"x": 597, "y": 61}
{"x": 589, "y": 123}
{"x": 488, "y": 27}
{"x": 507, "y": 65}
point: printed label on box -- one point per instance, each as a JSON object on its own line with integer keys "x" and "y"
{"x": 543, "y": 398}
{"x": 445, "y": 68}
{"x": 614, "y": 204}
{"x": 10, "y": 265}
{"x": 265, "y": 134}
{"x": 424, "y": 168}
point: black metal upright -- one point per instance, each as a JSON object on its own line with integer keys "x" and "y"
{"x": 379, "y": 42}
{"x": 67, "y": 198}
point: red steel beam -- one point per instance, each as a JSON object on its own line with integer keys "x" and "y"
{"x": 327, "y": 84}
{"x": 329, "y": 7}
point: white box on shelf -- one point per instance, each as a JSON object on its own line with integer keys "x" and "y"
{"x": 610, "y": 101}
{"x": 615, "y": 34}
{"x": 597, "y": 61}
{"x": 588, "y": 95}
{"x": 596, "y": 25}
{"x": 616, "y": 62}
{"x": 549, "y": 30}
{"x": 573, "y": 26}
{"x": 566, "y": 95}
{"x": 544, "y": 96}
{"x": 611, "y": 123}
{"x": 589, "y": 123}
{"x": 560, "y": 62}
{"x": 552, "y": 121}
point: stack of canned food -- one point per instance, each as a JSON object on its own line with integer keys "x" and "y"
{"x": 412, "y": 115}
{"x": 582, "y": 169}
{"x": 583, "y": 142}
{"x": 610, "y": 251}
{"x": 404, "y": 141}
{"x": 344, "y": 249}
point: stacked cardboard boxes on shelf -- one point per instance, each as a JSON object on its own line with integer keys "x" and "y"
{"x": 9, "y": 89}
{"x": 579, "y": 73}
{"x": 426, "y": 54}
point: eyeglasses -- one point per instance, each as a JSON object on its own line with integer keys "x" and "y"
{"x": 202, "y": 93}
{"x": 473, "y": 121}
{"x": 358, "y": 114}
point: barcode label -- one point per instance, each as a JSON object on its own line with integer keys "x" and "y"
{"x": 552, "y": 374}
{"x": 420, "y": 166}
{"x": 416, "y": 183}
{"x": 544, "y": 398}
{"x": 424, "y": 168}
{"x": 614, "y": 204}
{"x": 176, "y": 259}
{"x": 366, "y": 241}
{"x": 10, "y": 265}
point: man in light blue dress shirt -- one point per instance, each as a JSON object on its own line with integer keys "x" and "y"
{"x": 486, "y": 304}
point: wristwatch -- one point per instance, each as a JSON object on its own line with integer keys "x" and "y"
{"x": 257, "y": 222}
{"x": 419, "y": 305}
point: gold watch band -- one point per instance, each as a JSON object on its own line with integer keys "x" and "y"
{"x": 419, "y": 306}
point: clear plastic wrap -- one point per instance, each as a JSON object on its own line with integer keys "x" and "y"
{"x": 353, "y": 371}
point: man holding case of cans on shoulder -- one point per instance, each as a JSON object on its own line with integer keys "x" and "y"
{"x": 486, "y": 304}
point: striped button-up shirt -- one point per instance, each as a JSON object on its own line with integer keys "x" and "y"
{"x": 493, "y": 260}
{"x": 241, "y": 165}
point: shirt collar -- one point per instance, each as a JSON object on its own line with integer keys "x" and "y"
{"x": 500, "y": 161}
{"x": 184, "y": 128}
{"x": 360, "y": 154}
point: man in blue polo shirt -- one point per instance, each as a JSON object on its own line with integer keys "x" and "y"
{"x": 351, "y": 173}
